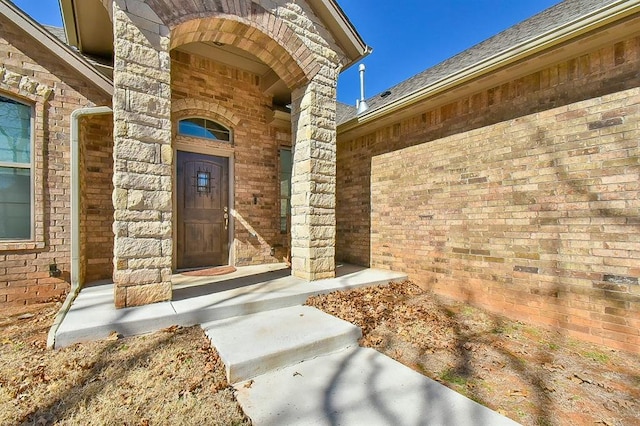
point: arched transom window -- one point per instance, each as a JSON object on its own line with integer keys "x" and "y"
{"x": 203, "y": 128}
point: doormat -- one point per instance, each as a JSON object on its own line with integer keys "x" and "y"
{"x": 210, "y": 272}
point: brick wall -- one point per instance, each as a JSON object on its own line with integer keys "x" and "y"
{"x": 255, "y": 148}
{"x": 24, "y": 266}
{"x": 96, "y": 215}
{"x": 523, "y": 199}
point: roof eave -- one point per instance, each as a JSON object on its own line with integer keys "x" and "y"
{"x": 55, "y": 46}
{"x": 585, "y": 24}
{"x": 69, "y": 22}
{"x": 342, "y": 29}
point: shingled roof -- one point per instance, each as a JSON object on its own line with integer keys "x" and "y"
{"x": 344, "y": 112}
{"x": 57, "y": 31}
{"x": 547, "y": 20}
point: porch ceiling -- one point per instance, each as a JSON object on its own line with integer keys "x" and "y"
{"x": 97, "y": 40}
{"x": 88, "y": 27}
{"x": 238, "y": 58}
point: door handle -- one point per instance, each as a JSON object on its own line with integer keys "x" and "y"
{"x": 226, "y": 221}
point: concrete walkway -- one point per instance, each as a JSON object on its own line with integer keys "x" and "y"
{"x": 354, "y": 387}
{"x": 197, "y": 300}
{"x": 301, "y": 366}
{"x": 290, "y": 364}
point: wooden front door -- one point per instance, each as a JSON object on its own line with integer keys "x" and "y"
{"x": 203, "y": 210}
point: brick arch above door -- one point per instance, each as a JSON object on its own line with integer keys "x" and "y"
{"x": 269, "y": 39}
{"x": 183, "y": 108}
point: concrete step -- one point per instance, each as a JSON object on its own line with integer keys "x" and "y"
{"x": 357, "y": 386}
{"x": 254, "y": 344}
{"x": 270, "y": 291}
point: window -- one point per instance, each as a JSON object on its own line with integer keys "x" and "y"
{"x": 203, "y": 128}
{"x": 16, "y": 192}
{"x": 203, "y": 185}
{"x": 286, "y": 162}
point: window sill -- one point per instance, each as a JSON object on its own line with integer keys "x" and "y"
{"x": 20, "y": 245}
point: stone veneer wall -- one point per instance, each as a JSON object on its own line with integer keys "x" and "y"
{"x": 209, "y": 89}
{"x": 283, "y": 35}
{"x": 96, "y": 210}
{"x": 31, "y": 73}
{"x": 522, "y": 199}
{"x": 313, "y": 182}
{"x": 142, "y": 197}
{"x": 293, "y": 42}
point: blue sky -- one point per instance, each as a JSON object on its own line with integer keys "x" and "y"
{"x": 407, "y": 36}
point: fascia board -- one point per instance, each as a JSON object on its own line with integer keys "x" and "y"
{"x": 585, "y": 24}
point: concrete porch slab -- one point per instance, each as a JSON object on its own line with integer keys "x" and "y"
{"x": 197, "y": 300}
{"x": 255, "y": 344}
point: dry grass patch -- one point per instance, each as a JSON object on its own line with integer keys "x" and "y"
{"x": 533, "y": 375}
{"x": 169, "y": 377}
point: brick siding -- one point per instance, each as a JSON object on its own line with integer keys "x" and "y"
{"x": 24, "y": 266}
{"x": 522, "y": 199}
{"x": 96, "y": 209}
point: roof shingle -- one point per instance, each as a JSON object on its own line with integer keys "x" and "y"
{"x": 547, "y": 20}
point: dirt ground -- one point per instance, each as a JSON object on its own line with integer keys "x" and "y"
{"x": 532, "y": 375}
{"x": 169, "y": 377}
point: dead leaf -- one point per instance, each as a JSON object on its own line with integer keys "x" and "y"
{"x": 114, "y": 336}
{"x": 583, "y": 380}
{"x": 296, "y": 374}
{"x": 520, "y": 393}
{"x": 248, "y": 384}
{"x": 605, "y": 387}
{"x": 624, "y": 403}
{"x": 26, "y": 316}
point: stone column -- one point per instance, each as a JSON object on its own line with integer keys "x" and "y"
{"x": 313, "y": 198}
{"x": 142, "y": 177}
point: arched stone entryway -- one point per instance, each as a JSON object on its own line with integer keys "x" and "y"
{"x": 294, "y": 49}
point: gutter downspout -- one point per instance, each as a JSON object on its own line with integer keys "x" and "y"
{"x": 75, "y": 215}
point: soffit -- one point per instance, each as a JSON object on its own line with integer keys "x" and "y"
{"x": 88, "y": 27}
{"x": 341, "y": 28}
{"x": 55, "y": 46}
